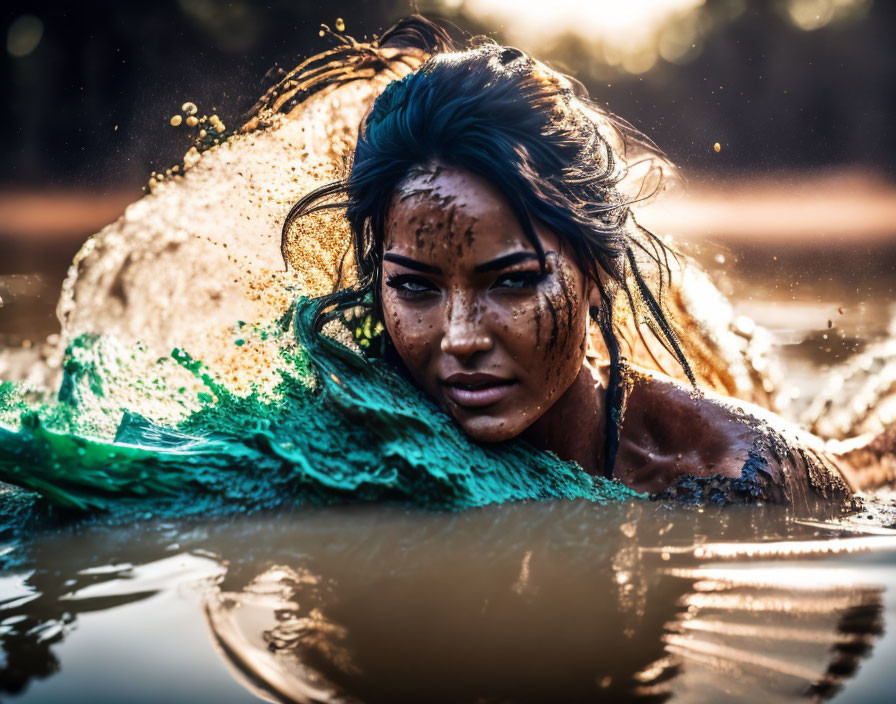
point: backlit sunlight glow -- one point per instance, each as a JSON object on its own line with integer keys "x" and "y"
{"x": 629, "y": 32}
{"x": 633, "y": 35}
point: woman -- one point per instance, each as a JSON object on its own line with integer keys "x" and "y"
{"x": 488, "y": 226}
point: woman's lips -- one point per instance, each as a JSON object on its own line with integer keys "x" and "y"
{"x": 476, "y": 390}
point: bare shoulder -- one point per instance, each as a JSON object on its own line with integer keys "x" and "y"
{"x": 670, "y": 430}
{"x": 693, "y": 445}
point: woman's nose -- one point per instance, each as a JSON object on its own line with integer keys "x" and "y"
{"x": 464, "y": 334}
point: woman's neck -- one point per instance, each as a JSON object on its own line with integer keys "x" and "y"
{"x": 574, "y": 427}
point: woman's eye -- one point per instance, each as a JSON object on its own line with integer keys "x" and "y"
{"x": 518, "y": 279}
{"x": 410, "y": 286}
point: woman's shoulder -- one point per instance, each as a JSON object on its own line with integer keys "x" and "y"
{"x": 691, "y": 445}
{"x": 669, "y": 430}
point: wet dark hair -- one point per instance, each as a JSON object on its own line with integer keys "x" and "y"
{"x": 534, "y": 135}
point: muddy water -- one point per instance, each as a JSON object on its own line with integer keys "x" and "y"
{"x": 562, "y": 601}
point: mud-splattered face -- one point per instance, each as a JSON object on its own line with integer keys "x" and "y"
{"x": 481, "y": 328}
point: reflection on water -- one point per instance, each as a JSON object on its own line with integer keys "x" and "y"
{"x": 561, "y": 601}
{"x": 786, "y": 631}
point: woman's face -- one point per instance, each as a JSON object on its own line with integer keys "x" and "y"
{"x": 481, "y": 328}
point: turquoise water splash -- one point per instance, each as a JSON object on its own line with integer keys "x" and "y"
{"x": 337, "y": 427}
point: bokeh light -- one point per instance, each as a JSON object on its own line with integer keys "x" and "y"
{"x": 630, "y": 35}
{"x": 810, "y": 15}
{"x": 23, "y": 35}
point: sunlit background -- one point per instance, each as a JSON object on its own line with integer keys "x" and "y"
{"x": 779, "y": 113}
{"x": 631, "y": 37}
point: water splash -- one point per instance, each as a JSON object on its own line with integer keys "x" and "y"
{"x": 335, "y": 427}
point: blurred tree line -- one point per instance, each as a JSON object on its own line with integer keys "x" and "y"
{"x": 89, "y": 88}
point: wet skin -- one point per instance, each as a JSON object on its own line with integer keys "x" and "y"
{"x": 493, "y": 338}
{"x": 500, "y": 342}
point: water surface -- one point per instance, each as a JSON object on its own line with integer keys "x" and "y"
{"x": 542, "y": 601}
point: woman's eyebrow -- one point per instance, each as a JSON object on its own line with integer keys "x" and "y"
{"x": 505, "y": 261}
{"x": 411, "y": 263}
